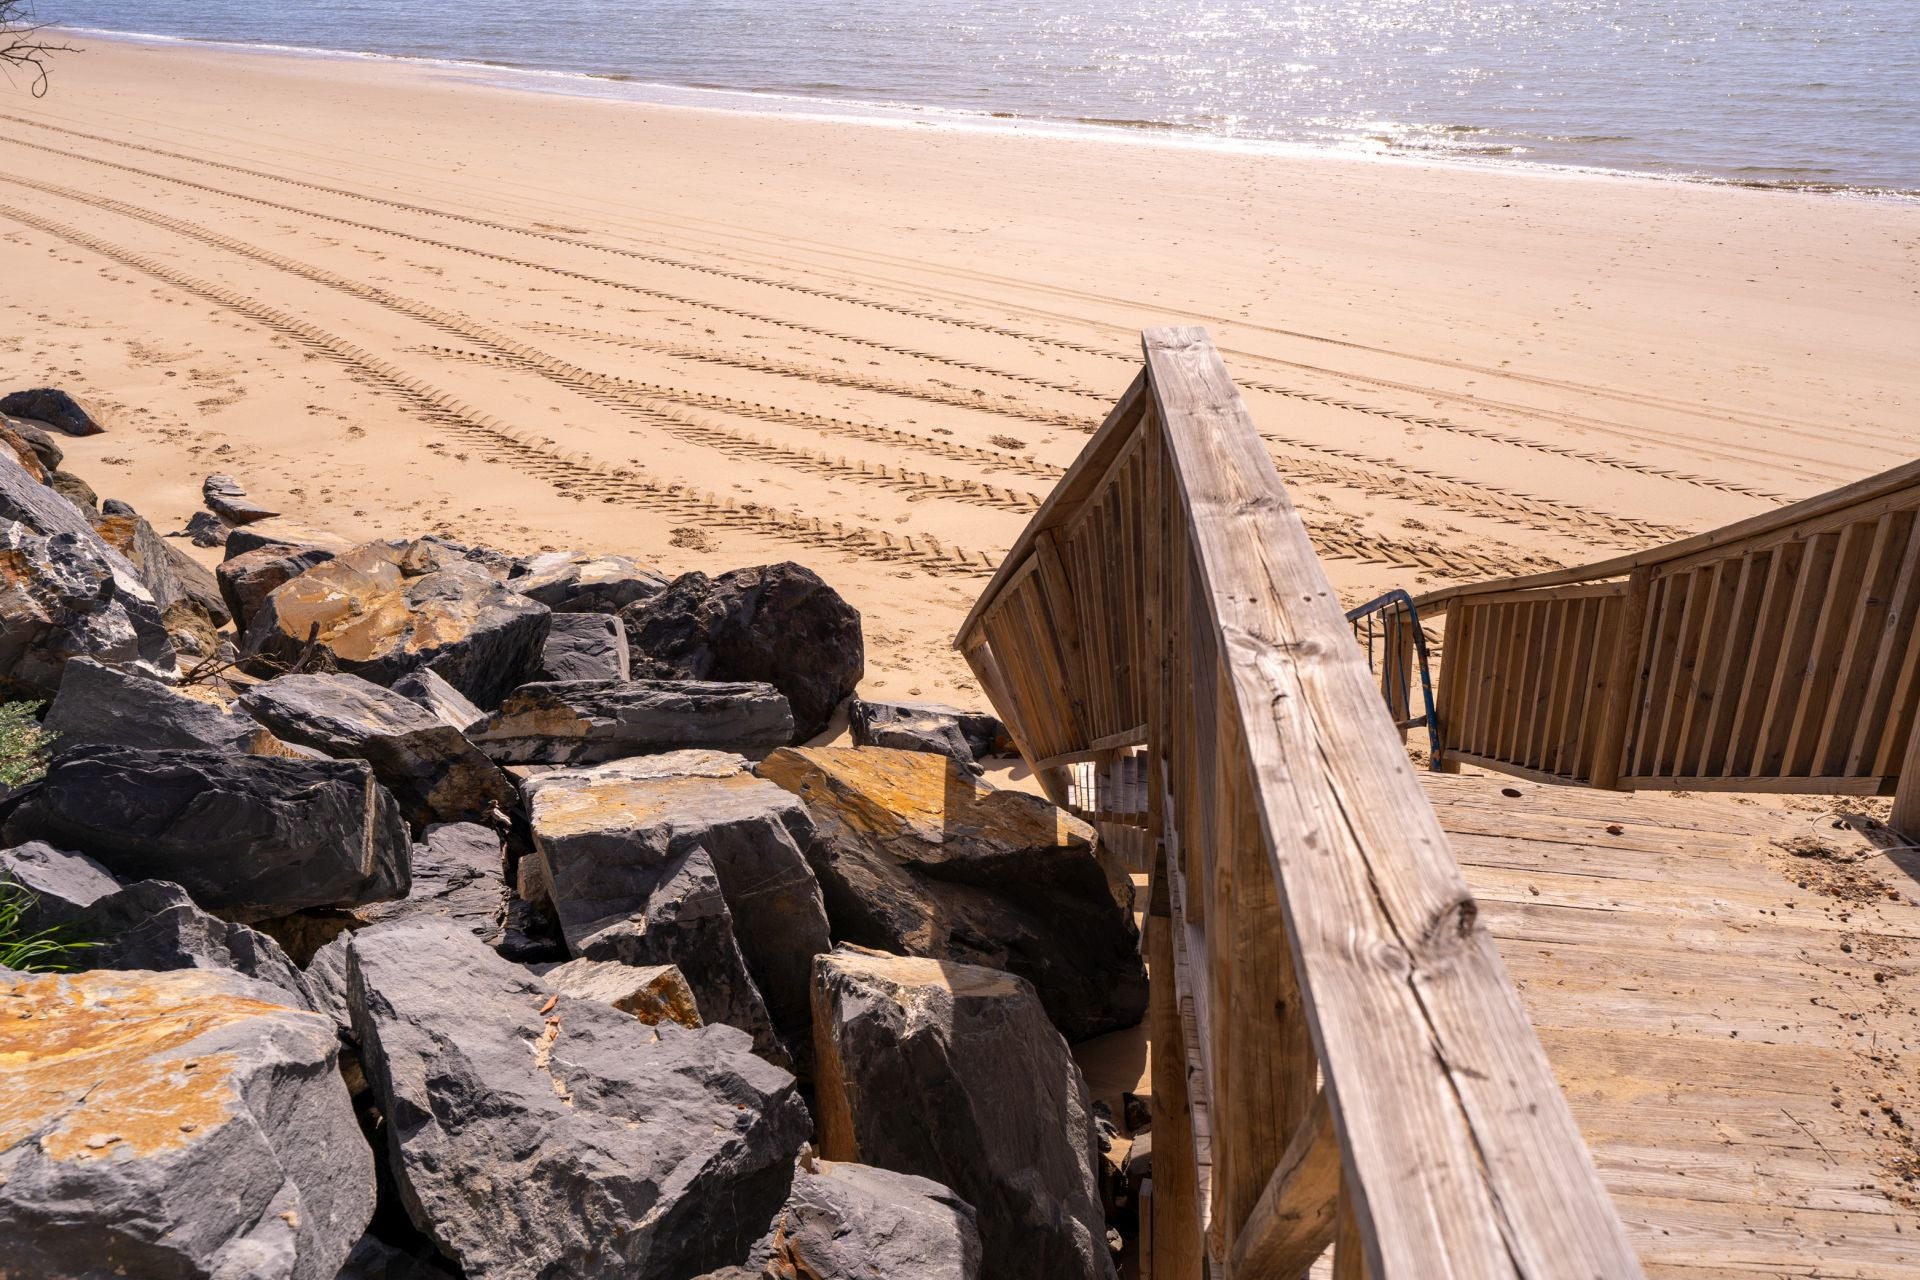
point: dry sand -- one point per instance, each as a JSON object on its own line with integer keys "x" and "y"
{"x": 392, "y": 298}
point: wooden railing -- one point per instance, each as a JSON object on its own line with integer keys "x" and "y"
{"x": 1337, "y": 1054}
{"x": 1777, "y": 654}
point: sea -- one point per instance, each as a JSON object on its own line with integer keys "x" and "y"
{"x": 1800, "y": 94}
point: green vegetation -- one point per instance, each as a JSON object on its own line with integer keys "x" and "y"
{"x": 24, "y": 745}
{"x": 47, "y": 951}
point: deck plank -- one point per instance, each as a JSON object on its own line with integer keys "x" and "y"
{"x": 1726, "y": 1035}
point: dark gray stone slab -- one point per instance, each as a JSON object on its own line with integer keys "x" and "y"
{"x": 592, "y": 721}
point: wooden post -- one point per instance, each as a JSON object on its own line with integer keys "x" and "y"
{"x": 1623, "y": 683}
{"x": 1906, "y": 794}
{"x": 1175, "y": 1210}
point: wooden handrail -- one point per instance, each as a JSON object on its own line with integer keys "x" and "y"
{"x": 1318, "y": 962}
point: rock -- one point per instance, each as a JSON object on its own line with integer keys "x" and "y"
{"x": 206, "y": 529}
{"x": 856, "y": 1222}
{"x": 63, "y": 885}
{"x": 241, "y": 541}
{"x": 426, "y": 689}
{"x": 653, "y": 993}
{"x": 918, "y": 857}
{"x": 777, "y": 623}
{"x": 387, "y": 608}
{"x": 458, "y": 875}
{"x": 905, "y": 727}
{"x": 64, "y": 592}
{"x": 116, "y": 706}
{"x": 953, "y": 1072}
{"x": 246, "y": 580}
{"x": 983, "y": 732}
{"x": 592, "y": 721}
{"x": 154, "y": 925}
{"x": 606, "y": 835}
{"x": 46, "y": 450}
{"x": 169, "y": 574}
{"x": 535, "y": 1134}
{"x": 248, "y": 836}
{"x": 583, "y": 646}
{"x": 76, "y": 491}
{"x": 375, "y": 1259}
{"x": 185, "y": 1124}
{"x": 434, "y": 772}
{"x": 226, "y": 499}
{"x": 30, "y": 458}
{"x": 571, "y": 582}
{"x": 54, "y": 407}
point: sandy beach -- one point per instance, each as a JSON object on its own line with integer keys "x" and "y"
{"x": 393, "y": 298}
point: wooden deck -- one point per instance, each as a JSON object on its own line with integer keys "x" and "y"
{"x": 1705, "y": 1011}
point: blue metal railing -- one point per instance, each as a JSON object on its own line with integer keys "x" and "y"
{"x": 1364, "y": 617}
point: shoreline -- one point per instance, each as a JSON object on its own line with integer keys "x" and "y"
{"x": 786, "y": 104}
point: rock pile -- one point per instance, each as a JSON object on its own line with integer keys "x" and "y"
{"x": 460, "y": 915}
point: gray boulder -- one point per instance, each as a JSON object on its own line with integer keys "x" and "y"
{"x": 535, "y": 1134}
{"x": 37, "y": 439}
{"x": 122, "y": 707}
{"x": 918, "y": 857}
{"x": 62, "y": 885}
{"x": 246, "y": 580}
{"x": 605, "y": 835}
{"x": 572, "y": 582}
{"x": 226, "y": 499}
{"x": 953, "y": 1072}
{"x": 154, "y": 925}
{"x": 856, "y": 1222}
{"x": 248, "y": 836}
{"x": 584, "y": 646}
{"x": 775, "y": 623}
{"x": 426, "y": 689}
{"x": 431, "y": 769}
{"x": 172, "y": 577}
{"x": 192, "y": 1125}
{"x": 387, "y": 608}
{"x": 592, "y": 721}
{"x": 907, "y": 727}
{"x": 205, "y": 529}
{"x": 57, "y": 408}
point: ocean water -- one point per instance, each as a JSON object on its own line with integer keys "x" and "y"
{"x": 1799, "y": 93}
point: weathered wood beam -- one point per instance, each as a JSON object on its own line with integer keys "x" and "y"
{"x": 1295, "y": 1219}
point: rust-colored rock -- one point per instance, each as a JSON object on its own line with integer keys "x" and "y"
{"x": 653, "y": 993}
{"x": 918, "y": 857}
{"x": 387, "y": 608}
{"x": 173, "y": 1124}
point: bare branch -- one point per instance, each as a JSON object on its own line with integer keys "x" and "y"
{"x": 21, "y": 45}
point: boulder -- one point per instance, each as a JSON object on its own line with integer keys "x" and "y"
{"x": 64, "y": 592}
{"x": 458, "y": 875}
{"x": 584, "y": 646}
{"x": 387, "y": 608}
{"x": 918, "y": 857}
{"x": 121, "y": 707}
{"x": 61, "y": 885}
{"x": 606, "y": 835}
{"x": 205, "y": 529}
{"x": 592, "y": 721}
{"x": 653, "y": 993}
{"x": 56, "y": 408}
{"x": 246, "y": 580}
{"x": 776, "y": 623}
{"x": 171, "y": 576}
{"x": 571, "y": 582}
{"x": 981, "y": 730}
{"x": 226, "y": 499}
{"x": 248, "y": 836}
{"x": 856, "y": 1222}
{"x": 426, "y": 689}
{"x": 433, "y": 771}
{"x": 184, "y": 1124}
{"x": 536, "y": 1134}
{"x": 38, "y": 440}
{"x": 953, "y": 1072}
{"x": 30, "y": 458}
{"x": 375, "y": 1259}
{"x": 154, "y": 925}
{"x": 905, "y": 727}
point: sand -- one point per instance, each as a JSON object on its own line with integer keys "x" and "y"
{"x": 393, "y": 299}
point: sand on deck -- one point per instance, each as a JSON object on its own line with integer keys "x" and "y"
{"x": 392, "y": 298}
